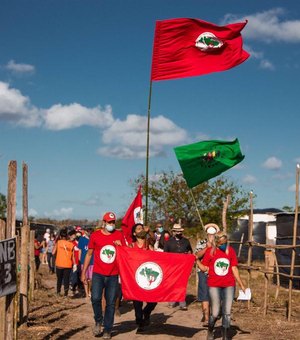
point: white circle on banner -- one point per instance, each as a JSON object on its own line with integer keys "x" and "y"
{"x": 108, "y": 254}
{"x": 149, "y": 275}
{"x": 221, "y": 266}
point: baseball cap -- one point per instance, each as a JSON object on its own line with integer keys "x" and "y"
{"x": 109, "y": 216}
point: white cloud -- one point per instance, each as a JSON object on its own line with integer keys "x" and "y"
{"x": 60, "y": 117}
{"x": 272, "y": 163}
{"x": 127, "y": 139}
{"x": 258, "y": 55}
{"x": 249, "y": 179}
{"x": 19, "y": 68}
{"x": 60, "y": 213}
{"x": 268, "y": 26}
{"x": 16, "y": 108}
{"x": 121, "y": 138}
{"x": 267, "y": 65}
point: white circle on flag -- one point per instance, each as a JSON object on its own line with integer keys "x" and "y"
{"x": 149, "y": 275}
{"x": 138, "y": 215}
{"x": 221, "y": 266}
{"x": 108, "y": 254}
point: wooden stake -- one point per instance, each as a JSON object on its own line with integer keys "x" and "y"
{"x": 224, "y": 213}
{"x": 294, "y": 244}
{"x": 32, "y": 265}
{"x": 198, "y": 212}
{"x": 250, "y": 236}
{"x": 11, "y": 232}
{"x": 3, "y": 298}
{"x": 240, "y": 246}
{"x": 24, "y": 263}
{"x": 24, "y": 274}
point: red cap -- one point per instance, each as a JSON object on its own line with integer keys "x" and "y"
{"x": 109, "y": 216}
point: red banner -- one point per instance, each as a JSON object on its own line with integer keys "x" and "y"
{"x": 152, "y": 276}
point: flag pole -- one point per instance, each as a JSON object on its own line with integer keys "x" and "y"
{"x": 147, "y": 152}
{"x": 197, "y": 209}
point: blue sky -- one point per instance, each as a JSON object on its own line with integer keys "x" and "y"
{"x": 74, "y": 84}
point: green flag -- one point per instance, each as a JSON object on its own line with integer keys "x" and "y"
{"x": 204, "y": 160}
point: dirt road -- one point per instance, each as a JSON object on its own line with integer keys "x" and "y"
{"x": 53, "y": 317}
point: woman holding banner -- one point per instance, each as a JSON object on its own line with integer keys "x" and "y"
{"x": 142, "y": 315}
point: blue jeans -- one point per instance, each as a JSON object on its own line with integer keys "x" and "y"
{"x": 202, "y": 287}
{"x": 218, "y": 295}
{"x": 110, "y": 286}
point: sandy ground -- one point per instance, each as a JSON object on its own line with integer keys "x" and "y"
{"x": 53, "y": 317}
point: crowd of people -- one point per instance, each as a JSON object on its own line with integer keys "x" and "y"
{"x": 84, "y": 261}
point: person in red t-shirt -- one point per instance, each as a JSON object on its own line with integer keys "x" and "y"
{"x": 37, "y": 251}
{"x": 221, "y": 264}
{"x": 102, "y": 244}
{"x": 142, "y": 315}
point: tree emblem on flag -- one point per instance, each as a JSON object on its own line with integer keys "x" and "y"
{"x": 221, "y": 266}
{"x": 207, "y": 42}
{"x": 138, "y": 215}
{"x": 108, "y": 254}
{"x": 149, "y": 275}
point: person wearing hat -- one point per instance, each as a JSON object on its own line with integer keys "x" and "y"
{"x": 203, "y": 296}
{"x": 102, "y": 244}
{"x": 178, "y": 244}
{"x": 221, "y": 264}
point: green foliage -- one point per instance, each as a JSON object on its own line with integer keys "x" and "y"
{"x": 3, "y": 206}
{"x": 170, "y": 200}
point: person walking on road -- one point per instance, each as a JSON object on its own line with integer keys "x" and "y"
{"x": 220, "y": 263}
{"x": 178, "y": 244}
{"x": 102, "y": 244}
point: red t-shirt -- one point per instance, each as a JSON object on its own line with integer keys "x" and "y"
{"x": 105, "y": 252}
{"x": 76, "y": 252}
{"x": 36, "y": 251}
{"x": 220, "y": 267}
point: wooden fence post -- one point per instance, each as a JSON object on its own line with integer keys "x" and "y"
{"x": 224, "y": 213}
{"x": 24, "y": 274}
{"x": 294, "y": 244}
{"x": 11, "y": 232}
{"x": 250, "y": 233}
{"x": 24, "y": 251}
{"x": 32, "y": 265}
{"x": 268, "y": 268}
{"x": 3, "y": 298}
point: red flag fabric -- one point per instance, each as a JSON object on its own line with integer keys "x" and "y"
{"x": 133, "y": 215}
{"x": 152, "y": 276}
{"x": 186, "y": 47}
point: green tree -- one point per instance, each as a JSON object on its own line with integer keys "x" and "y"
{"x": 170, "y": 199}
{"x": 3, "y": 206}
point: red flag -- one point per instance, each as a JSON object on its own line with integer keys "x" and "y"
{"x": 191, "y": 47}
{"x": 152, "y": 276}
{"x": 133, "y": 215}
